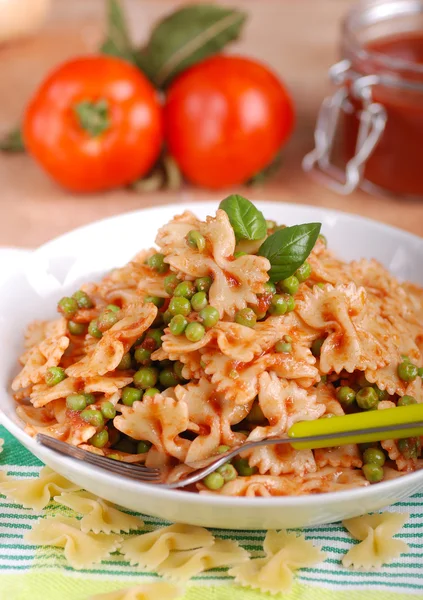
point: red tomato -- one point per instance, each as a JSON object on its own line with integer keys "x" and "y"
{"x": 225, "y": 119}
{"x": 94, "y": 124}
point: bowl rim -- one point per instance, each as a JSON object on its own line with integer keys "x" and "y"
{"x": 310, "y": 500}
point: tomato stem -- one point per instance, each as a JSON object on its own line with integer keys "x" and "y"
{"x": 93, "y": 117}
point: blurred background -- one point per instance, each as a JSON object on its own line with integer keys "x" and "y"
{"x": 298, "y": 40}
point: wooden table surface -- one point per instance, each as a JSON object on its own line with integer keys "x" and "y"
{"x": 298, "y": 38}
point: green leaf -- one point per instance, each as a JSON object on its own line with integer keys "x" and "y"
{"x": 288, "y": 248}
{"x": 118, "y": 41}
{"x": 188, "y": 36}
{"x": 247, "y": 221}
{"x": 12, "y": 141}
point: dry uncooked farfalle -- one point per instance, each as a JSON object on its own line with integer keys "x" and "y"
{"x": 377, "y": 547}
{"x": 99, "y": 515}
{"x": 181, "y": 566}
{"x": 81, "y": 549}
{"x": 36, "y": 493}
{"x": 285, "y": 553}
{"x": 147, "y": 591}
{"x": 149, "y": 550}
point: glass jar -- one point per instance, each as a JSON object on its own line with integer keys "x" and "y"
{"x": 369, "y": 133}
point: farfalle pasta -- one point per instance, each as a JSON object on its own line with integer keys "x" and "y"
{"x": 233, "y": 329}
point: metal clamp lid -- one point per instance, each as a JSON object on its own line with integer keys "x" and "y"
{"x": 372, "y": 121}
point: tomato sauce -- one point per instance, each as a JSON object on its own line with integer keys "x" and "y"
{"x": 396, "y": 163}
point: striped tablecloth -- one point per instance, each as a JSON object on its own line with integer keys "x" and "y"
{"x": 40, "y": 573}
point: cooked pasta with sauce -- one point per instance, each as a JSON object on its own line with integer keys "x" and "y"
{"x": 232, "y": 329}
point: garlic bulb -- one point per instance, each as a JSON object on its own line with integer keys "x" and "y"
{"x": 19, "y": 17}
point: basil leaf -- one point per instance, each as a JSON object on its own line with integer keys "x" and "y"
{"x": 288, "y": 248}
{"x": 187, "y": 36}
{"x": 247, "y": 221}
{"x": 12, "y": 141}
{"x": 118, "y": 42}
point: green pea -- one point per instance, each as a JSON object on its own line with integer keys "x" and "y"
{"x": 114, "y": 435}
{"x": 246, "y": 317}
{"x": 290, "y": 303}
{"x": 94, "y": 330}
{"x": 89, "y": 398}
{"x": 76, "y": 328}
{"x": 156, "y": 336}
{"x": 199, "y": 301}
{"x": 243, "y": 467}
{"x": 381, "y": 394}
{"x": 177, "y": 369}
{"x": 54, "y": 375}
{"x": 367, "y": 398}
{"x": 125, "y": 363}
{"x": 178, "y": 325}
{"x": 222, "y": 449}
{"x": 278, "y": 305}
{"x": 407, "y": 371}
{"x": 194, "y": 332}
{"x": 93, "y": 417}
{"x": 83, "y": 300}
{"x": 165, "y": 364}
{"x": 256, "y": 414}
{"x": 130, "y": 395}
{"x": 146, "y": 377}
{"x": 76, "y": 402}
{"x": 270, "y": 224}
{"x": 157, "y": 263}
{"x": 68, "y": 307}
{"x": 374, "y": 456}
{"x": 203, "y": 284}
{"x": 143, "y": 446}
{"x": 316, "y": 347}
{"x": 405, "y": 358}
{"x": 420, "y": 371}
{"x": 106, "y": 319}
{"x": 214, "y": 481}
{"x": 167, "y": 378}
{"x": 269, "y": 288}
{"x": 114, "y": 456}
{"x": 260, "y": 314}
{"x": 196, "y": 240}
{"x": 108, "y": 410}
{"x": 126, "y": 445}
{"x": 151, "y": 392}
{"x": 406, "y": 400}
{"x": 113, "y": 307}
{"x": 154, "y": 300}
{"x": 228, "y": 472}
{"x": 166, "y": 317}
{"x": 373, "y": 473}
{"x": 323, "y": 239}
{"x": 185, "y": 289}
{"x": 170, "y": 282}
{"x": 303, "y": 272}
{"x": 284, "y": 347}
{"x": 179, "y": 306}
{"x": 239, "y": 253}
{"x": 409, "y": 447}
{"x": 345, "y": 395}
{"x": 210, "y": 316}
{"x": 289, "y": 285}
{"x": 142, "y": 355}
{"x": 100, "y": 439}
{"x": 320, "y": 285}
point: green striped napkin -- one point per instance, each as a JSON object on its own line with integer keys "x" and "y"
{"x": 40, "y": 573}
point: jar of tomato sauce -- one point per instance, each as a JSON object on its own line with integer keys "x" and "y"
{"x": 369, "y": 133}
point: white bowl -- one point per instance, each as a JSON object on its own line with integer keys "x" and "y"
{"x": 86, "y": 253}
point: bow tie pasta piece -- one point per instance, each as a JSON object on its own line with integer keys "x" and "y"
{"x": 40, "y": 358}
{"x": 36, "y": 493}
{"x": 257, "y": 486}
{"x": 82, "y": 550}
{"x": 158, "y": 419}
{"x": 171, "y": 237}
{"x": 342, "y": 456}
{"x": 38, "y": 331}
{"x": 338, "y": 312}
{"x": 149, "y": 550}
{"x": 377, "y": 547}
{"x": 331, "y": 479}
{"x": 285, "y": 553}
{"x": 42, "y": 393}
{"x": 146, "y": 591}
{"x": 181, "y": 566}
{"x": 108, "y": 352}
{"x": 99, "y": 515}
{"x": 277, "y": 460}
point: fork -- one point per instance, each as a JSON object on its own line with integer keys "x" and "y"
{"x": 373, "y": 426}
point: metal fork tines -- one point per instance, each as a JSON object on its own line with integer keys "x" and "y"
{"x": 134, "y": 471}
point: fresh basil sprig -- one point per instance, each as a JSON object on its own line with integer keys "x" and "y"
{"x": 288, "y": 248}
{"x": 247, "y": 221}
